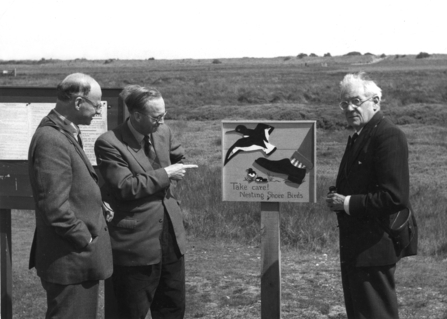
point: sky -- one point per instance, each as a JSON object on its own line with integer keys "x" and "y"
{"x": 181, "y": 29}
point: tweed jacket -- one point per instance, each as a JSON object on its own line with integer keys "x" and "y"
{"x": 139, "y": 193}
{"x": 68, "y": 209}
{"x": 375, "y": 173}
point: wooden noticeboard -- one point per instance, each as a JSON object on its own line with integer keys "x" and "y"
{"x": 15, "y": 189}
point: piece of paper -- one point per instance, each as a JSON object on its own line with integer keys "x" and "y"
{"x": 19, "y": 121}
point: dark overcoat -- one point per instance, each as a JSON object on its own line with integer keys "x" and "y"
{"x": 375, "y": 173}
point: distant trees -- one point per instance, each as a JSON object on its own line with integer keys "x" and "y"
{"x": 423, "y": 55}
{"x": 353, "y": 53}
{"x": 216, "y": 61}
{"x": 368, "y": 53}
{"x": 313, "y": 55}
{"x": 327, "y": 55}
{"x": 301, "y": 55}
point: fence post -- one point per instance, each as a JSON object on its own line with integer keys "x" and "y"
{"x": 6, "y": 263}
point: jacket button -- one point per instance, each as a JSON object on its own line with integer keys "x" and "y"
{"x": 160, "y": 221}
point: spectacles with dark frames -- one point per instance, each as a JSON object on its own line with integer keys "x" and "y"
{"x": 355, "y": 102}
{"x": 157, "y": 119}
{"x": 98, "y": 106}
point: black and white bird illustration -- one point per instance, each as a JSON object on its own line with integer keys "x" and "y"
{"x": 251, "y": 174}
{"x": 252, "y": 140}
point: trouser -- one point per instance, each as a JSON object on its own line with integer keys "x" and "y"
{"x": 159, "y": 287}
{"x": 71, "y": 301}
{"x": 369, "y": 292}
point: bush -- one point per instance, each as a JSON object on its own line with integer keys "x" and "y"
{"x": 151, "y": 59}
{"x": 287, "y": 58}
{"x": 353, "y": 53}
{"x": 313, "y": 55}
{"x": 327, "y": 55}
{"x": 301, "y": 55}
{"x": 368, "y": 53}
{"x": 423, "y": 55}
{"x": 216, "y": 61}
{"x": 383, "y": 55}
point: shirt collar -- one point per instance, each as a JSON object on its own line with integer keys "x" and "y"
{"x": 68, "y": 122}
{"x": 138, "y": 136}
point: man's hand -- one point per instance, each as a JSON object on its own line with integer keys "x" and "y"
{"x": 335, "y": 201}
{"x": 108, "y": 211}
{"x": 177, "y": 171}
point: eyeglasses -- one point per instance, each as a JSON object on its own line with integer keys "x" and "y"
{"x": 157, "y": 119}
{"x": 98, "y": 106}
{"x": 355, "y": 101}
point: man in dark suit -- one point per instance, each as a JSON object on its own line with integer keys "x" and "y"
{"x": 71, "y": 248}
{"x": 140, "y": 161}
{"x": 372, "y": 186}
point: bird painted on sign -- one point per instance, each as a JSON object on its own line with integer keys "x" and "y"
{"x": 251, "y": 174}
{"x": 260, "y": 179}
{"x": 252, "y": 140}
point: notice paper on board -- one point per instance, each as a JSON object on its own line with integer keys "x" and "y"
{"x": 20, "y": 120}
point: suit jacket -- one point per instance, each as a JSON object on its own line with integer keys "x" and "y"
{"x": 139, "y": 194}
{"x": 375, "y": 173}
{"x": 68, "y": 208}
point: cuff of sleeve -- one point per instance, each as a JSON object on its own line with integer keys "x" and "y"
{"x": 346, "y": 204}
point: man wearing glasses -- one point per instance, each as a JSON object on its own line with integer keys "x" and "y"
{"x": 140, "y": 162}
{"x": 71, "y": 248}
{"x": 372, "y": 186}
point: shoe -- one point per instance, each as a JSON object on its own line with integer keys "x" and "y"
{"x": 284, "y": 166}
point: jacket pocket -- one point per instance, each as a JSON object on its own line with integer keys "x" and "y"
{"x": 125, "y": 223}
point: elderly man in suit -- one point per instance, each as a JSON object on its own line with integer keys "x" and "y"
{"x": 71, "y": 248}
{"x": 372, "y": 186}
{"x": 140, "y": 160}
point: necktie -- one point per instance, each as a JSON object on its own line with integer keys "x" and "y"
{"x": 80, "y": 140}
{"x": 149, "y": 150}
{"x": 353, "y": 138}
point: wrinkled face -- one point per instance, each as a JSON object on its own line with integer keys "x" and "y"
{"x": 89, "y": 106}
{"x": 358, "y": 116}
{"x": 149, "y": 119}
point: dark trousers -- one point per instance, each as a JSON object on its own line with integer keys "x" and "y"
{"x": 369, "y": 292}
{"x": 72, "y": 301}
{"x": 159, "y": 287}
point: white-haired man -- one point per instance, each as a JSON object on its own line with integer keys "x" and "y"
{"x": 372, "y": 186}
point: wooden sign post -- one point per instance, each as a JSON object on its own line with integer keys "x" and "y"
{"x": 269, "y": 162}
{"x": 271, "y": 261}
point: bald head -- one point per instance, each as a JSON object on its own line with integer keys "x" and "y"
{"x": 79, "y": 98}
{"x": 74, "y": 85}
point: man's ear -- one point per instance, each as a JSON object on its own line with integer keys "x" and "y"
{"x": 376, "y": 100}
{"x": 77, "y": 103}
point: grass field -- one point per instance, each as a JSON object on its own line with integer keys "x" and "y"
{"x": 198, "y": 95}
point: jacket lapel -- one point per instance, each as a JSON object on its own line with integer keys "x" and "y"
{"x": 69, "y": 130}
{"x": 135, "y": 148}
{"x": 363, "y": 139}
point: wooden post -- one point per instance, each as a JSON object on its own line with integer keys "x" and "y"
{"x": 271, "y": 261}
{"x": 6, "y": 263}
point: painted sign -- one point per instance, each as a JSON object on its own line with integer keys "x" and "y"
{"x": 269, "y": 161}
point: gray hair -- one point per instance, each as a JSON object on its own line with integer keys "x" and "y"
{"x": 369, "y": 85}
{"x": 74, "y": 84}
{"x": 135, "y": 97}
